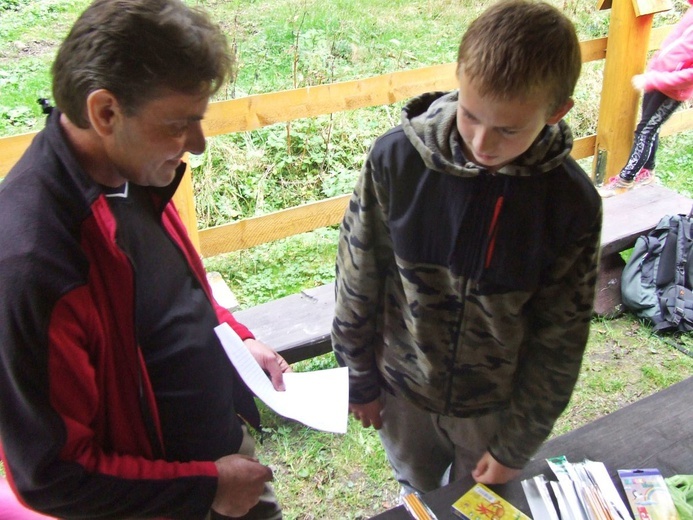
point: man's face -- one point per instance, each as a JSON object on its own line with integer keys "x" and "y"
{"x": 495, "y": 132}
{"x": 146, "y": 148}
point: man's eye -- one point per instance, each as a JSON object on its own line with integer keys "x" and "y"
{"x": 178, "y": 129}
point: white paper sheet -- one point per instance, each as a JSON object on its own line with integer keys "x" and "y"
{"x": 537, "y": 495}
{"x": 318, "y": 399}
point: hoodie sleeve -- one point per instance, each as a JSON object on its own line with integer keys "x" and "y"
{"x": 560, "y": 314}
{"x": 364, "y": 251}
{"x": 665, "y": 81}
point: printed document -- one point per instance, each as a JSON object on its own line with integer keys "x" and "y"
{"x": 318, "y": 399}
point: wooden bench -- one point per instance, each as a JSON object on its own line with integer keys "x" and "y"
{"x": 299, "y": 325}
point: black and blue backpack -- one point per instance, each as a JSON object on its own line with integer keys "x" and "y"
{"x": 657, "y": 280}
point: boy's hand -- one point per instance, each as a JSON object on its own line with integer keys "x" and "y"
{"x": 368, "y": 414}
{"x": 270, "y": 361}
{"x": 241, "y": 482}
{"x": 489, "y": 471}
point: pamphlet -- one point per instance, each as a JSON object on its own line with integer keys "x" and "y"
{"x": 480, "y": 503}
{"x": 647, "y": 494}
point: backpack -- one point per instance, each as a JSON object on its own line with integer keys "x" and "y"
{"x": 658, "y": 277}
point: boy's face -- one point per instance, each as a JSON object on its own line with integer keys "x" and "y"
{"x": 494, "y": 132}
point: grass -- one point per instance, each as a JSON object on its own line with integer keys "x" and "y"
{"x": 282, "y": 44}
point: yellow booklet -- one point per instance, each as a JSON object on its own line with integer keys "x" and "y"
{"x": 480, "y": 503}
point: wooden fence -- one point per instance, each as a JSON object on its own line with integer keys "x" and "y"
{"x": 624, "y": 51}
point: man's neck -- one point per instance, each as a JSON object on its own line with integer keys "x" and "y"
{"x": 90, "y": 153}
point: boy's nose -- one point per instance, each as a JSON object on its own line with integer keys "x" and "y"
{"x": 484, "y": 141}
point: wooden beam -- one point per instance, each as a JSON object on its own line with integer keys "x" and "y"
{"x": 626, "y": 55}
{"x": 583, "y": 147}
{"x": 11, "y": 149}
{"x": 678, "y": 122}
{"x": 593, "y": 50}
{"x": 252, "y": 112}
{"x": 267, "y": 228}
{"x": 184, "y": 199}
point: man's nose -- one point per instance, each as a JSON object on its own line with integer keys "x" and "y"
{"x": 195, "y": 141}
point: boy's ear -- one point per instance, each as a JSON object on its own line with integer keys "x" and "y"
{"x": 560, "y": 112}
{"x": 102, "y": 111}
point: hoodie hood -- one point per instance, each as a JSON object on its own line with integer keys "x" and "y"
{"x": 430, "y": 123}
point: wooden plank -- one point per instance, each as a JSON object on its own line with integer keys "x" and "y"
{"x": 657, "y": 36}
{"x": 593, "y": 50}
{"x": 11, "y": 149}
{"x": 297, "y": 326}
{"x": 258, "y": 230}
{"x": 678, "y": 122}
{"x": 257, "y": 111}
{"x": 636, "y": 212}
{"x": 583, "y": 147}
{"x": 643, "y": 7}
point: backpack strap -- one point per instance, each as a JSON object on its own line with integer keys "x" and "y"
{"x": 678, "y": 299}
{"x": 682, "y": 238}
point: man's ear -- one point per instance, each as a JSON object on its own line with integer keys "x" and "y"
{"x": 560, "y": 112}
{"x": 102, "y": 111}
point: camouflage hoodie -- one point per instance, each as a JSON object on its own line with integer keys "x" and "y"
{"x": 465, "y": 291}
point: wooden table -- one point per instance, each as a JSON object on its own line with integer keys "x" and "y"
{"x": 654, "y": 432}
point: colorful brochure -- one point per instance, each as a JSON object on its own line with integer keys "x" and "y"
{"x": 647, "y": 494}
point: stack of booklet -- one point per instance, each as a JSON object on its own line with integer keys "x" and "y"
{"x": 585, "y": 491}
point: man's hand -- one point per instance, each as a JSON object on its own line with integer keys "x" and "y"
{"x": 489, "y": 471}
{"x": 269, "y": 361}
{"x": 368, "y": 414}
{"x": 241, "y": 482}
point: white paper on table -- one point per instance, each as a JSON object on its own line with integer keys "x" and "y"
{"x": 564, "y": 472}
{"x": 538, "y": 498}
{"x": 563, "y": 507}
{"x": 318, "y": 399}
{"x": 598, "y": 472}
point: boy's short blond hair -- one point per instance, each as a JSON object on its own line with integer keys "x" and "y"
{"x": 521, "y": 48}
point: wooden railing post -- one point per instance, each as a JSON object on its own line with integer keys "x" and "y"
{"x": 184, "y": 199}
{"x": 626, "y": 55}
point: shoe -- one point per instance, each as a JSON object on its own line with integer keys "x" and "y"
{"x": 617, "y": 184}
{"x": 644, "y": 177}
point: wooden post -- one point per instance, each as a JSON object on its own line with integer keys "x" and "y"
{"x": 626, "y": 55}
{"x": 184, "y": 199}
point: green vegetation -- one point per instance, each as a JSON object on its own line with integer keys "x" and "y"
{"x": 281, "y": 44}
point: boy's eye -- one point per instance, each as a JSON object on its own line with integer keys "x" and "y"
{"x": 468, "y": 116}
{"x": 508, "y": 131}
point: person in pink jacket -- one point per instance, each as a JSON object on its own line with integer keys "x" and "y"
{"x": 667, "y": 82}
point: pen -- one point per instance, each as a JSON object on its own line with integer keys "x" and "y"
{"x": 417, "y": 508}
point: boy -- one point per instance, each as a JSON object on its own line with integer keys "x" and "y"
{"x": 468, "y": 257}
{"x": 118, "y": 400}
